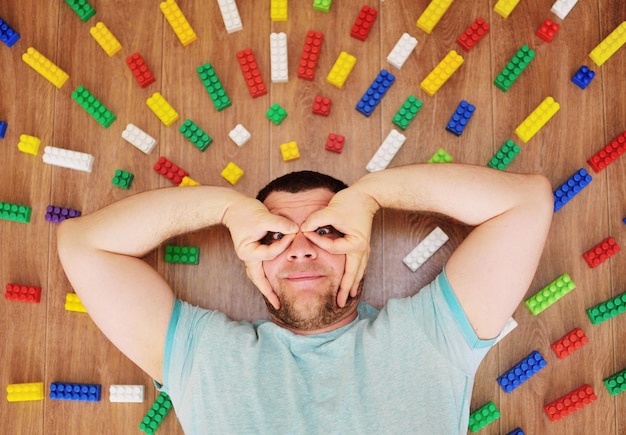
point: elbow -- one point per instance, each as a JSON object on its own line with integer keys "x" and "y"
{"x": 541, "y": 196}
{"x": 67, "y": 237}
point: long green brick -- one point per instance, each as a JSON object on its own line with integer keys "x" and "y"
{"x": 93, "y": 106}
{"x": 195, "y": 135}
{"x": 157, "y": 413}
{"x": 213, "y": 86}
{"x": 486, "y": 414}
{"x": 514, "y": 68}
{"x": 15, "y": 212}
{"x": 504, "y": 156}
{"x": 550, "y": 294}
{"x": 82, "y": 8}
{"x": 182, "y": 254}
{"x": 407, "y": 112}
{"x": 607, "y": 309}
{"x": 616, "y": 383}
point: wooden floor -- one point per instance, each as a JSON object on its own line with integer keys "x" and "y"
{"x": 43, "y": 342}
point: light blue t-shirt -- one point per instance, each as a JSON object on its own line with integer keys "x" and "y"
{"x": 407, "y": 369}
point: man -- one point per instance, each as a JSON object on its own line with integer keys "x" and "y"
{"x": 324, "y": 363}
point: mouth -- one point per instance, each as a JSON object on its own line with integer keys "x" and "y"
{"x": 303, "y": 276}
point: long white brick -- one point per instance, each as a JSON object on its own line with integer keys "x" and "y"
{"x": 402, "y": 50}
{"x": 230, "y": 15}
{"x": 127, "y": 393}
{"x": 386, "y": 151}
{"x": 425, "y": 249}
{"x": 278, "y": 57}
{"x": 139, "y": 138}
{"x": 68, "y": 159}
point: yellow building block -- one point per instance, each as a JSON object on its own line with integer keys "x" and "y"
{"x": 278, "y": 10}
{"x": 341, "y": 69}
{"x": 72, "y": 303}
{"x": 29, "y": 144}
{"x": 45, "y": 67}
{"x": 537, "y": 119}
{"x": 187, "y": 181}
{"x": 505, "y": 7}
{"x": 25, "y": 392}
{"x": 105, "y": 39}
{"x": 290, "y": 151}
{"x": 609, "y": 45}
{"x": 441, "y": 73}
{"x": 432, "y": 14}
{"x": 232, "y": 173}
{"x": 162, "y": 109}
{"x": 179, "y": 23}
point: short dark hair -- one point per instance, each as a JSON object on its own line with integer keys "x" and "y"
{"x": 301, "y": 181}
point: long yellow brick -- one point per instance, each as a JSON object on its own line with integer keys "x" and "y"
{"x": 442, "y": 72}
{"x": 45, "y": 67}
{"x": 178, "y": 21}
{"x": 505, "y": 7}
{"x": 162, "y": 109}
{"x": 609, "y": 45}
{"x": 432, "y": 14}
{"x": 105, "y": 39}
{"x": 25, "y": 392}
{"x": 537, "y": 119}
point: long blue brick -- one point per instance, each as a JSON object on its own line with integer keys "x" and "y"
{"x": 522, "y": 371}
{"x": 80, "y": 392}
{"x": 375, "y": 92}
{"x": 7, "y": 34}
{"x": 570, "y": 188}
{"x": 460, "y": 118}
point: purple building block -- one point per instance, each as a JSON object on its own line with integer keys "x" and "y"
{"x": 56, "y": 214}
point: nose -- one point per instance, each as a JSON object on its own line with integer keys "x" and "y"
{"x": 301, "y": 248}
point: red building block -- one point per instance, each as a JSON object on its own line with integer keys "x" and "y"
{"x": 22, "y": 293}
{"x": 473, "y": 34}
{"x": 335, "y": 142}
{"x": 569, "y": 343}
{"x": 570, "y": 403}
{"x": 609, "y": 153}
{"x": 140, "y": 70}
{"x": 170, "y": 171}
{"x": 251, "y": 73}
{"x": 548, "y": 30}
{"x": 601, "y": 252}
{"x": 321, "y": 105}
{"x": 363, "y": 23}
{"x": 310, "y": 55}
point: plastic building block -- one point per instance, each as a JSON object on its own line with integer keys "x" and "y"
{"x": 127, "y": 393}
{"x": 25, "y": 392}
{"x": 279, "y": 10}
{"x": 140, "y": 70}
{"x": 521, "y": 372}
{"x": 162, "y": 109}
{"x": 460, "y": 118}
{"x": 569, "y": 343}
{"x": 178, "y": 22}
{"x": 73, "y": 303}
{"x": 570, "y": 402}
{"x": 188, "y": 182}
{"x": 290, "y": 151}
{"x": 516, "y": 431}
{"x": 583, "y": 77}
{"x": 279, "y": 65}
{"x": 514, "y": 68}
{"x": 551, "y": 293}
{"x": 322, "y": 5}
{"x": 607, "y": 48}
{"x": 341, "y": 69}
{"x": 407, "y": 112}
{"x": 505, "y": 7}
{"x": 232, "y": 173}
{"x": 276, "y": 113}
{"x": 158, "y": 411}
{"x": 335, "y": 142}
{"x": 139, "y": 138}
{"x": 7, "y": 34}
{"x": 473, "y": 34}
{"x": 609, "y": 153}
{"x": 486, "y": 414}
{"x": 571, "y": 188}
{"x": 105, "y": 39}
{"x": 22, "y": 293}
{"x": 321, "y": 105}
{"x": 504, "y": 156}
{"x": 15, "y": 212}
{"x": 537, "y": 119}
{"x": 122, "y": 179}
{"x": 425, "y": 249}
{"x": 82, "y": 8}
{"x": 386, "y": 152}
{"x": 93, "y": 107}
{"x": 547, "y": 30}
{"x": 441, "y": 156}
{"x": 230, "y": 15}
{"x": 239, "y": 135}
{"x": 199, "y": 138}
{"x": 561, "y": 8}
{"x": 601, "y": 252}
{"x": 608, "y": 309}
{"x": 442, "y": 72}
{"x": 310, "y": 55}
{"x": 3, "y": 129}
{"x": 169, "y": 170}
{"x": 81, "y": 392}
{"x": 56, "y": 214}
{"x": 213, "y": 86}
{"x": 29, "y": 144}
{"x": 375, "y": 92}
{"x": 251, "y": 73}
{"x": 616, "y": 383}
{"x": 402, "y": 50}
{"x": 182, "y": 254}
{"x": 432, "y": 14}
{"x": 363, "y": 23}
{"x": 45, "y": 67}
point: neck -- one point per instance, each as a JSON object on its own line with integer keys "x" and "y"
{"x": 336, "y": 325}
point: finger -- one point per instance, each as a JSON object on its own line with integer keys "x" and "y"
{"x": 261, "y": 252}
{"x": 347, "y": 281}
{"x": 255, "y": 272}
{"x": 316, "y": 220}
{"x": 354, "y": 291}
{"x": 340, "y": 245}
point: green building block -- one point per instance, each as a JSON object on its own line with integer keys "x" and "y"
{"x": 276, "y": 114}
{"x": 182, "y": 254}
{"x": 93, "y": 106}
{"x": 514, "y": 68}
{"x": 441, "y": 156}
{"x": 15, "y": 212}
{"x": 607, "y": 309}
{"x": 195, "y": 135}
{"x": 407, "y": 112}
{"x": 156, "y": 414}
{"x": 550, "y": 294}
{"x": 213, "y": 86}
{"x": 486, "y": 414}
{"x": 82, "y": 8}
{"x": 122, "y": 179}
{"x": 322, "y": 5}
{"x": 617, "y": 383}
{"x": 504, "y": 156}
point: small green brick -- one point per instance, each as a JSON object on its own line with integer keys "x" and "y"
{"x": 82, "y": 8}
{"x": 607, "y": 309}
{"x": 213, "y": 86}
{"x": 322, "y": 5}
{"x": 486, "y": 414}
{"x": 407, "y": 112}
{"x": 276, "y": 114}
{"x": 93, "y": 106}
{"x": 122, "y": 179}
{"x": 441, "y": 156}
{"x": 550, "y": 294}
{"x": 195, "y": 135}
{"x": 182, "y": 254}
{"x": 15, "y": 212}
{"x": 157, "y": 413}
{"x": 504, "y": 156}
{"x": 617, "y": 383}
{"x": 514, "y": 68}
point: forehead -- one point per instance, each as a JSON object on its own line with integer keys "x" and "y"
{"x": 297, "y": 206}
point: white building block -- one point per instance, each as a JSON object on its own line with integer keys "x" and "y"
{"x": 561, "y": 8}
{"x": 425, "y": 249}
{"x": 278, "y": 57}
{"x": 402, "y": 50}
{"x": 386, "y": 151}
{"x": 239, "y": 135}
{"x": 127, "y": 393}
{"x": 230, "y": 14}
{"x": 68, "y": 159}
{"x": 139, "y": 138}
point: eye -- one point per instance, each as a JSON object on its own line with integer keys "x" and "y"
{"x": 322, "y": 231}
{"x": 329, "y": 231}
{"x": 271, "y": 237}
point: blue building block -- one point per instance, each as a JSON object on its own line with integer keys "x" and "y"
{"x": 460, "y": 118}
{"x": 3, "y": 129}
{"x": 7, "y": 34}
{"x": 375, "y": 92}
{"x": 570, "y": 188}
{"x": 81, "y": 392}
{"x": 583, "y": 77}
{"x": 516, "y": 431}
{"x": 521, "y": 371}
